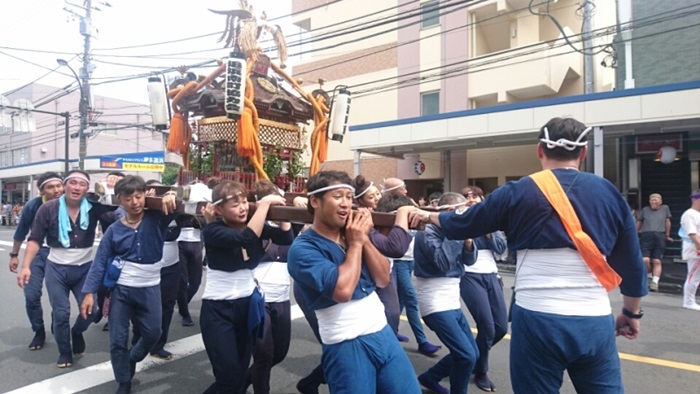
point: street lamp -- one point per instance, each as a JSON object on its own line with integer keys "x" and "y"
{"x": 83, "y": 109}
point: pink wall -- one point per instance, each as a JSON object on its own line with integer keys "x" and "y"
{"x": 408, "y": 98}
{"x": 453, "y": 90}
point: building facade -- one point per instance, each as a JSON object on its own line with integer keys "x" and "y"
{"x": 119, "y": 138}
{"x": 415, "y": 59}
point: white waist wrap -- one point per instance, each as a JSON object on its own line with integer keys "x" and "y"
{"x": 484, "y": 264}
{"x": 139, "y": 275}
{"x": 223, "y": 285}
{"x": 437, "y": 295}
{"x": 171, "y": 254}
{"x": 558, "y": 281}
{"x": 349, "y": 320}
{"x": 70, "y": 256}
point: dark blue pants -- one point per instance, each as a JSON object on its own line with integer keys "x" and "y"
{"x": 272, "y": 348}
{"x": 191, "y": 274}
{"x": 61, "y": 280}
{"x": 32, "y": 291}
{"x": 142, "y": 306}
{"x": 228, "y": 342}
{"x": 543, "y": 345}
{"x": 316, "y": 376}
{"x": 169, "y": 285}
{"x": 372, "y": 363}
{"x": 408, "y": 298}
{"x": 390, "y": 299}
{"x": 454, "y": 332}
{"x": 483, "y": 295}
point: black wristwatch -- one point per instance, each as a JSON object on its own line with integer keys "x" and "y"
{"x": 633, "y": 315}
{"x": 14, "y": 255}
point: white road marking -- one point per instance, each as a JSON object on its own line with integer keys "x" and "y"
{"x": 95, "y": 375}
{"x": 5, "y": 243}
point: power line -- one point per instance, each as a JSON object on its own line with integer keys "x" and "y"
{"x": 418, "y": 81}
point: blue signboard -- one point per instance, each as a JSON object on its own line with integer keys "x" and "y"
{"x": 141, "y": 161}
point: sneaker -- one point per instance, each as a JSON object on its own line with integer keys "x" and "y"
{"x": 78, "y": 343}
{"x": 124, "y": 388}
{"x": 162, "y": 354}
{"x": 692, "y": 307}
{"x": 432, "y": 386}
{"x": 653, "y": 286}
{"x": 65, "y": 361}
{"x": 187, "y": 321}
{"x": 401, "y": 338}
{"x": 428, "y": 349}
{"x": 483, "y": 382}
{"x": 38, "y": 340}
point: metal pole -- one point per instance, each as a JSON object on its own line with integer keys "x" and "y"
{"x": 588, "y": 77}
{"x": 66, "y": 162}
{"x": 85, "y": 74}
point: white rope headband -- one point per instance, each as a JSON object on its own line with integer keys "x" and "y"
{"x": 364, "y": 191}
{"x": 76, "y": 175}
{"x": 563, "y": 142}
{"x": 50, "y": 180}
{"x": 447, "y": 206}
{"x": 221, "y": 200}
{"x": 331, "y": 187}
{"x": 385, "y": 190}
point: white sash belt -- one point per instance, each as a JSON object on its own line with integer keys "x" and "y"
{"x": 171, "y": 254}
{"x": 558, "y": 281}
{"x": 437, "y": 295}
{"x": 70, "y": 256}
{"x": 222, "y": 285}
{"x": 484, "y": 264}
{"x": 349, "y": 320}
{"x": 140, "y": 275}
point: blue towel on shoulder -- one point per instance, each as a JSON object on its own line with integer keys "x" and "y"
{"x": 64, "y": 226}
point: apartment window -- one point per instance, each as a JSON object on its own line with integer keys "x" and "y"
{"x": 429, "y": 103}
{"x": 5, "y": 159}
{"x": 19, "y": 156}
{"x": 430, "y": 14}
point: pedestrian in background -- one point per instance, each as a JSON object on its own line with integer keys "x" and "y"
{"x": 654, "y": 227}
{"x": 690, "y": 224}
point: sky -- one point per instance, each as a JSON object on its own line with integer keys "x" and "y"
{"x": 43, "y": 25}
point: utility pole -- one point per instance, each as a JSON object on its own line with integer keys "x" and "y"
{"x": 595, "y": 144}
{"x": 85, "y": 106}
{"x": 588, "y": 77}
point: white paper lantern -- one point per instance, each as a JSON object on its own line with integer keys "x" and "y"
{"x": 340, "y": 111}
{"x": 235, "y": 85}
{"x": 667, "y": 154}
{"x": 159, "y": 103}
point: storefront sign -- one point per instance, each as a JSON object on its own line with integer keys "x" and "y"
{"x": 652, "y": 143}
{"x": 148, "y": 161}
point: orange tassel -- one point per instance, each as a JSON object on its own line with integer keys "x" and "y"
{"x": 177, "y": 131}
{"x": 245, "y": 145}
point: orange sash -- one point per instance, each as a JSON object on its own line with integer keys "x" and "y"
{"x": 550, "y": 187}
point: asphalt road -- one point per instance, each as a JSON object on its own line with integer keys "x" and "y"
{"x": 666, "y": 357}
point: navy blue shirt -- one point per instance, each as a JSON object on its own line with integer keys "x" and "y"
{"x": 142, "y": 245}
{"x": 521, "y": 210}
{"x": 26, "y": 219}
{"x": 313, "y": 263}
{"x": 45, "y": 225}
{"x": 438, "y": 257}
{"x": 225, "y": 245}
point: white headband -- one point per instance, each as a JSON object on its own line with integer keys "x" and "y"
{"x": 50, "y": 180}
{"x": 332, "y": 187}
{"x": 563, "y": 142}
{"x": 364, "y": 191}
{"x": 446, "y": 206}
{"x": 384, "y": 190}
{"x": 221, "y": 200}
{"x": 76, "y": 175}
